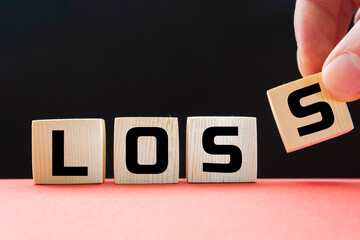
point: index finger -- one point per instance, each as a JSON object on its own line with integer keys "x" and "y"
{"x": 319, "y": 26}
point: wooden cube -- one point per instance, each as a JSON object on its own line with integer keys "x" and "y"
{"x": 68, "y": 151}
{"x": 221, "y": 149}
{"x": 305, "y": 114}
{"x": 146, "y": 150}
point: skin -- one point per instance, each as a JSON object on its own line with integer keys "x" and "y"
{"x": 324, "y": 44}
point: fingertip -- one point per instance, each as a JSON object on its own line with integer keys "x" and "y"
{"x": 341, "y": 77}
{"x": 307, "y": 65}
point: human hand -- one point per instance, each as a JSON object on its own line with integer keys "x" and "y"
{"x": 324, "y": 43}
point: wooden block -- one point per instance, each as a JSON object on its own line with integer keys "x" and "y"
{"x": 68, "y": 151}
{"x": 221, "y": 149}
{"x": 305, "y": 114}
{"x": 146, "y": 150}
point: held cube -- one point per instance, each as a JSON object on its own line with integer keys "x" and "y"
{"x": 221, "y": 149}
{"x": 146, "y": 150}
{"x": 68, "y": 151}
{"x": 305, "y": 114}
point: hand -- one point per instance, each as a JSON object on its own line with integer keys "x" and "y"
{"x": 324, "y": 43}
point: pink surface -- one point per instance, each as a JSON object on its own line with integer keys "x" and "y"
{"x": 267, "y": 209}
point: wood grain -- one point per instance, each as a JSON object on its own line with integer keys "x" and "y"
{"x": 146, "y": 150}
{"x": 288, "y": 124}
{"x": 84, "y": 145}
{"x": 196, "y": 156}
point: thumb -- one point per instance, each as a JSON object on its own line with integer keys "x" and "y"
{"x": 341, "y": 70}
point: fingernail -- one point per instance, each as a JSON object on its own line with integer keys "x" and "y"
{"x": 357, "y": 16}
{"x": 300, "y": 64}
{"x": 341, "y": 77}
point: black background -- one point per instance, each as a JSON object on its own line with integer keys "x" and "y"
{"x": 107, "y": 59}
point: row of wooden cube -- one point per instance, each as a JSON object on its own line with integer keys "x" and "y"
{"x": 72, "y": 151}
{"x": 218, "y": 149}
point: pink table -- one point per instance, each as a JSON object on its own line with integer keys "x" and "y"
{"x": 267, "y": 209}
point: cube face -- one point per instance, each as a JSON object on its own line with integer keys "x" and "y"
{"x": 204, "y": 165}
{"x": 305, "y": 114}
{"x": 79, "y": 146}
{"x": 146, "y": 150}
